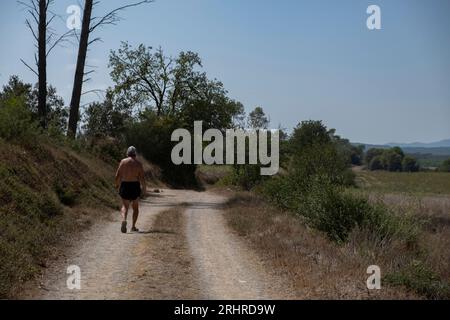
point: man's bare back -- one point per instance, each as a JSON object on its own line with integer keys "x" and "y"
{"x": 130, "y": 170}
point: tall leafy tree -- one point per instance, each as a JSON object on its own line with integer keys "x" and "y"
{"x": 257, "y": 119}
{"x": 175, "y": 87}
{"x": 56, "y": 115}
{"x": 152, "y": 79}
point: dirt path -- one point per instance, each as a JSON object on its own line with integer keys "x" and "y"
{"x": 227, "y": 268}
{"x": 201, "y": 259}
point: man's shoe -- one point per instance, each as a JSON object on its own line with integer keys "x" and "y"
{"x": 134, "y": 229}
{"x": 124, "y": 227}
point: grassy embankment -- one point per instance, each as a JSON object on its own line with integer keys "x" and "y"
{"x": 48, "y": 192}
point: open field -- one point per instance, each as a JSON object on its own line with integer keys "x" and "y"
{"x": 420, "y": 183}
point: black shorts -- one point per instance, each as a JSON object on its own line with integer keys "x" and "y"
{"x": 130, "y": 190}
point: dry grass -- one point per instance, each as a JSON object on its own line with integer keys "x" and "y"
{"x": 210, "y": 175}
{"x": 318, "y": 268}
{"x": 426, "y": 196}
{"x": 434, "y": 214}
{"x": 167, "y": 246}
{"x": 153, "y": 174}
{"x": 47, "y": 193}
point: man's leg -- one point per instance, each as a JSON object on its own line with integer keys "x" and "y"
{"x": 124, "y": 213}
{"x": 135, "y": 212}
{"x": 124, "y": 210}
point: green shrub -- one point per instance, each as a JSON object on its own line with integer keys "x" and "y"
{"x": 280, "y": 191}
{"x": 247, "y": 176}
{"x": 16, "y": 121}
{"x": 332, "y": 211}
{"x": 393, "y": 159}
{"x": 321, "y": 160}
{"x": 371, "y": 154}
{"x": 445, "y": 166}
{"x": 108, "y": 149}
{"x": 377, "y": 163}
{"x": 49, "y": 207}
{"x": 410, "y": 164}
{"x": 422, "y": 279}
{"x": 336, "y": 212}
{"x": 66, "y": 196}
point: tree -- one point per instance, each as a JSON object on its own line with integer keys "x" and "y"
{"x": 410, "y": 164}
{"x": 371, "y": 154}
{"x": 377, "y": 163}
{"x": 220, "y": 113}
{"x": 171, "y": 87}
{"x": 385, "y": 159}
{"x": 106, "y": 119}
{"x": 398, "y": 151}
{"x": 46, "y": 41}
{"x": 393, "y": 159}
{"x": 445, "y": 166}
{"x": 309, "y": 133}
{"x": 353, "y": 153}
{"x": 89, "y": 25}
{"x": 186, "y": 81}
{"x": 152, "y": 79}
{"x": 56, "y": 113}
{"x": 17, "y": 88}
{"x": 257, "y": 119}
{"x": 316, "y": 154}
{"x": 357, "y": 154}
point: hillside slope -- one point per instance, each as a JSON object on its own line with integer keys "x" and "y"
{"x": 47, "y": 193}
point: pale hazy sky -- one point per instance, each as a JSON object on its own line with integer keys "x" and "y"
{"x": 299, "y": 60}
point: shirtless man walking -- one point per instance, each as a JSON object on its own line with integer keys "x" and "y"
{"x": 130, "y": 182}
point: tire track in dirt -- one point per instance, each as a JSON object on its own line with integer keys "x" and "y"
{"x": 227, "y": 268}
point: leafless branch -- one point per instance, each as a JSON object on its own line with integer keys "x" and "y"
{"x": 97, "y": 92}
{"x": 112, "y": 17}
{"x": 28, "y": 24}
{"x": 32, "y": 70}
{"x": 63, "y": 38}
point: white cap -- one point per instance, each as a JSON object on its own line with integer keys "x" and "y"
{"x": 131, "y": 152}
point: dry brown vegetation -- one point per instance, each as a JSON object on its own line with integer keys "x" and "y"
{"x": 433, "y": 212}
{"x": 46, "y": 193}
{"x": 210, "y": 175}
{"x": 153, "y": 174}
{"x": 425, "y": 196}
{"x": 317, "y": 267}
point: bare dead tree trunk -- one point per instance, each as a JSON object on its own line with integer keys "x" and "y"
{"x": 42, "y": 63}
{"x": 79, "y": 71}
{"x": 46, "y": 41}
{"x": 88, "y": 26}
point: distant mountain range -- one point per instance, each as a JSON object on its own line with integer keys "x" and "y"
{"x": 437, "y": 144}
{"x": 435, "y": 148}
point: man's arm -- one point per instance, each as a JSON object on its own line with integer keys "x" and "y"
{"x": 142, "y": 180}
{"x": 118, "y": 175}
